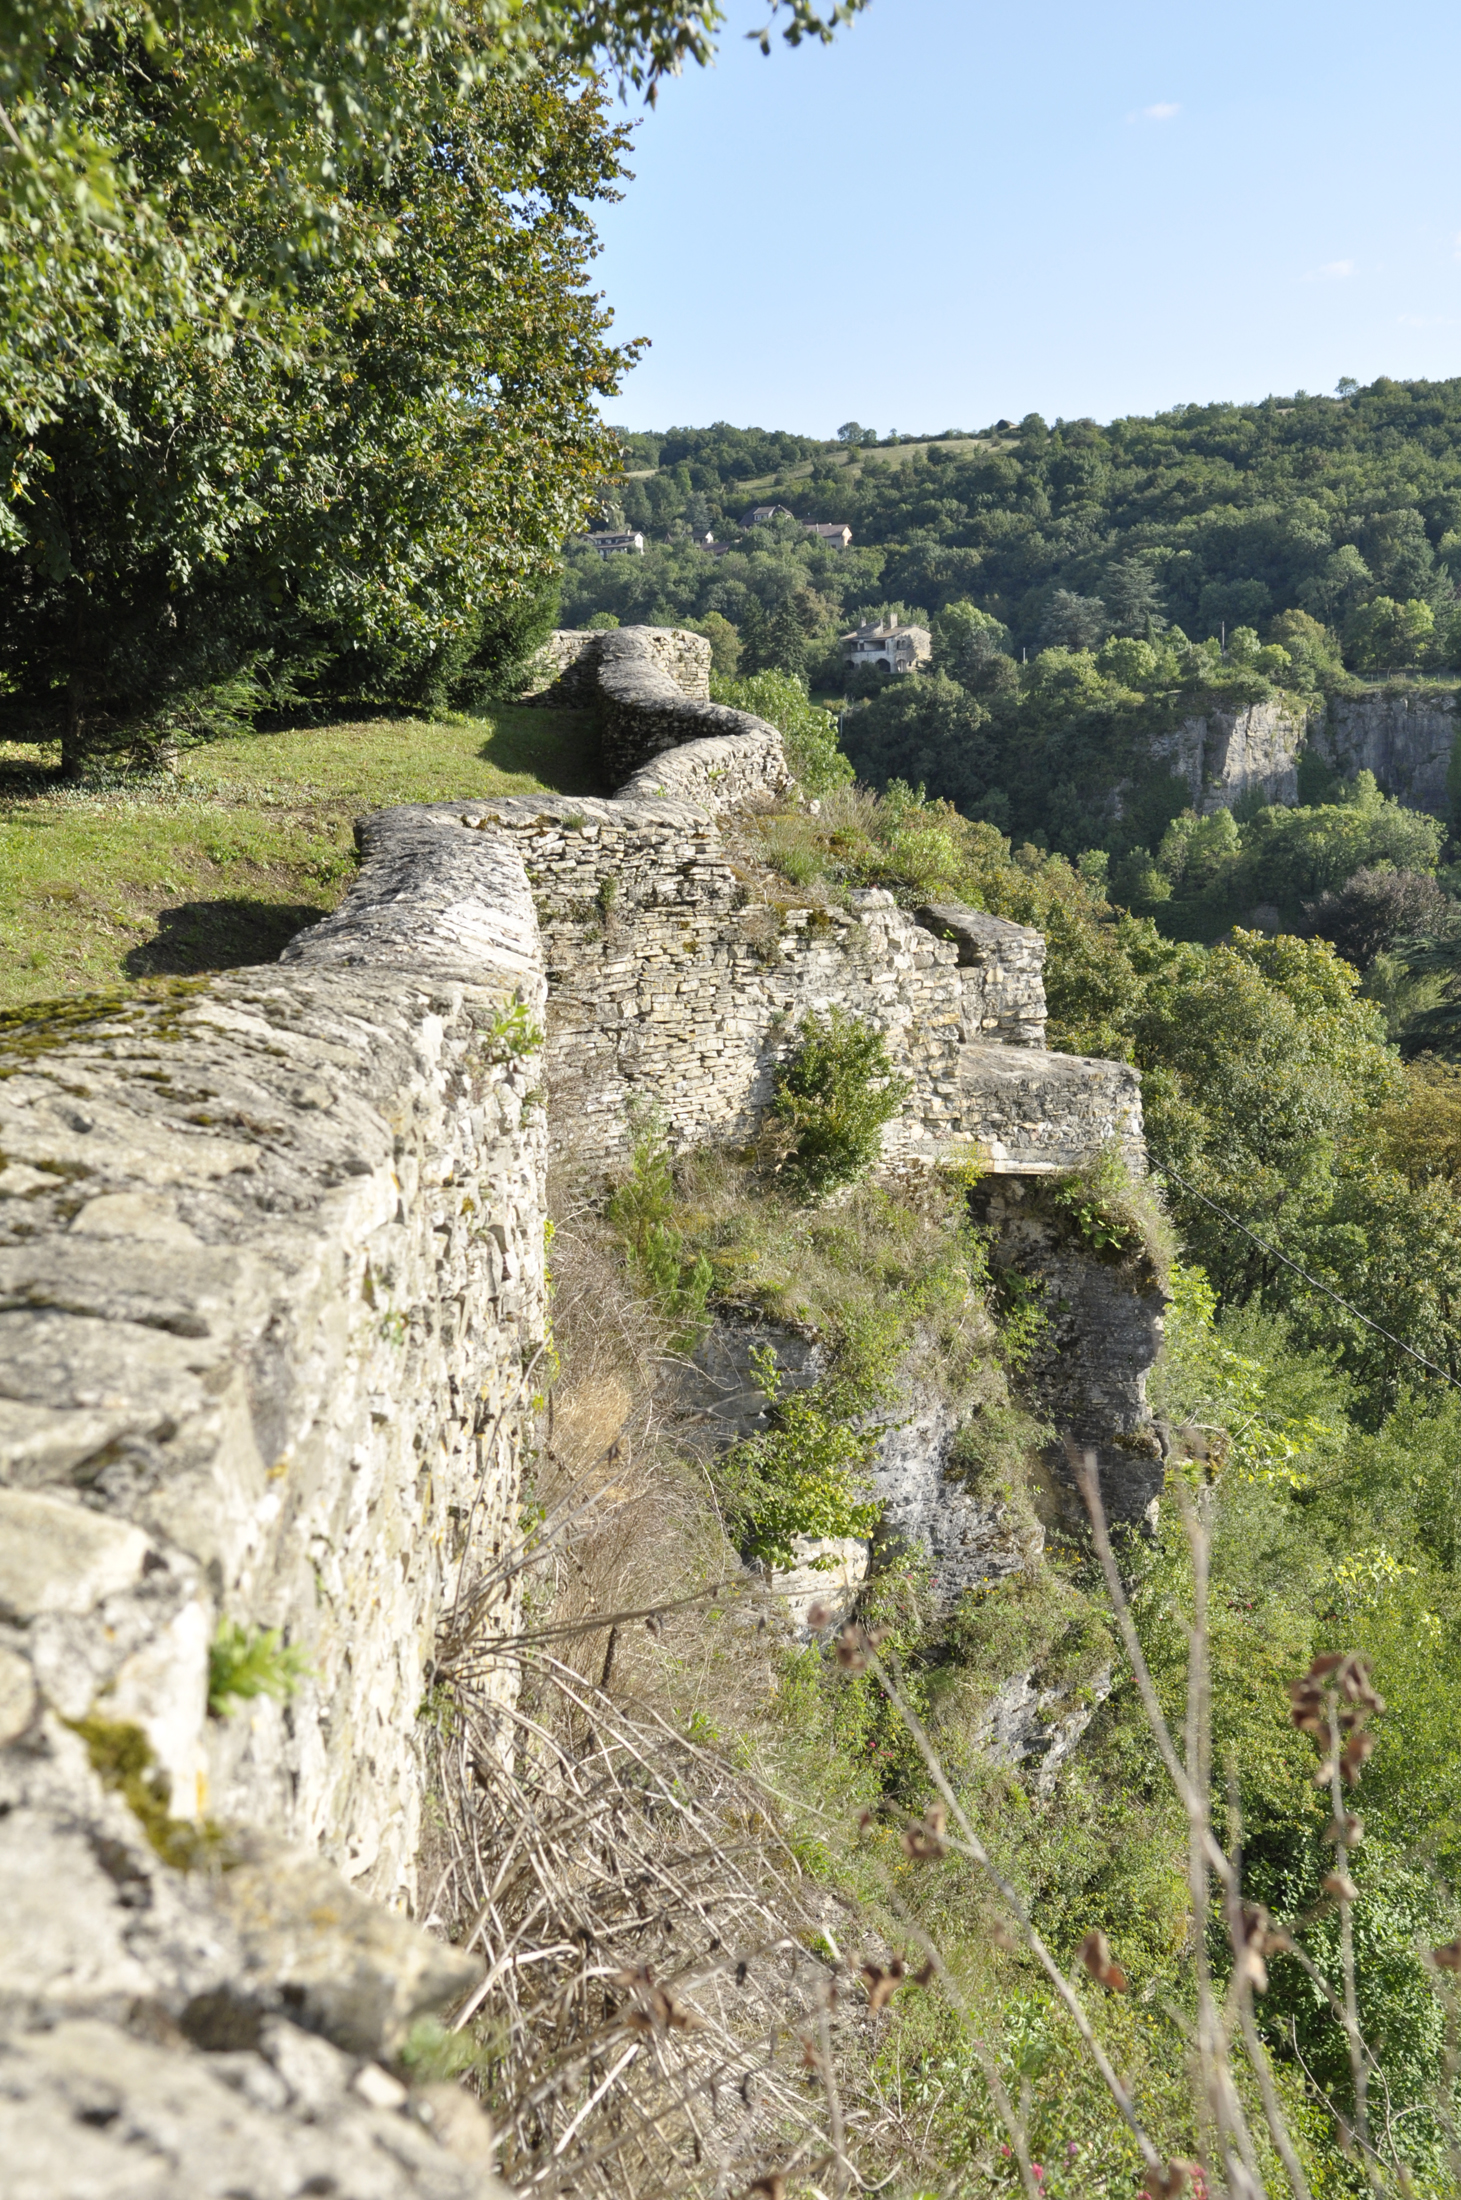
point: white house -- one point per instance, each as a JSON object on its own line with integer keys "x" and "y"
{"x": 607, "y": 544}
{"x": 833, "y": 531}
{"x": 895, "y": 648}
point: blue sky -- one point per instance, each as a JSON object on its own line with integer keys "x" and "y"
{"x": 960, "y": 211}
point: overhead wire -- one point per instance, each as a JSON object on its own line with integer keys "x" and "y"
{"x": 1166, "y": 1169}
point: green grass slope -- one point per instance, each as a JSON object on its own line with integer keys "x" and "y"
{"x": 107, "y": 884}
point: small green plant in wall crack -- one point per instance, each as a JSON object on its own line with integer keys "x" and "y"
{"x": 245, "y": 1662}
{"x": 512, "y": 1033}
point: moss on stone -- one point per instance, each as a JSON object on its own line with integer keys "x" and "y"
{"x": 123, "y": 1759}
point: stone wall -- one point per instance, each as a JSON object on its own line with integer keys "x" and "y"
{"x": 270, "y": 1261}
{"x": 270, "y": 1283}
{"x": 566, "y": 672}
{"x": 271, "y": 1295}
{"x": 668, "y": 983}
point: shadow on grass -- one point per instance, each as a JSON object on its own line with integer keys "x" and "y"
{"x": 562, "y": 748}
{"x": 231, "y": 934}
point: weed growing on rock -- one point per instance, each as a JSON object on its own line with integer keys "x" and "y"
{"x": 1114, "y": 1213}
{"x": 801, "y": 1477}
{"x": 512, "y": 1033}
{"x": 245, "y": 1662}
{"x": 643, "y": 1211}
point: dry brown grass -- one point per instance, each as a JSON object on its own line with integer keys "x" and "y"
{"x": 653, "y": 2018}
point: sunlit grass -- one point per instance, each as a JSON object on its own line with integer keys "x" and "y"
{"x": 125, "y": 878}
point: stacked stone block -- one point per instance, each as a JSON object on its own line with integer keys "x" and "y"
{"x": 270, "y": 1271}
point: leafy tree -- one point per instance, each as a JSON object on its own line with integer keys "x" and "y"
{"x": 1313, "y": 651}
{"x": 1261, "y": 1064}
{"x": 1072, "y": 621}
{"x": 1292, "y": 854}
{"x": 1376, "y": 908}
{"x": 725, "y": 642}
{"x": 808, "y": 732}
{"x": 100, "y": 246}
{"x": 387, "y": 489}
{"x": 1130, "y": 663}
{"x": 1342, "y": 581}
{"x": 925, "y": 730}
{"x": 1383, "y": 635}
{"x": 966, "y": 641}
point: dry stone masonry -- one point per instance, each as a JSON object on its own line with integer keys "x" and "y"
{"x": 270, "y": 1282}
{"x": 271, "y": 1306}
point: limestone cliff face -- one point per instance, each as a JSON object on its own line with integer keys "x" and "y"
{"x": 1104, "y": 1333}
{"x": 1226, "y": 755}
{"x": 1405, "y": 739}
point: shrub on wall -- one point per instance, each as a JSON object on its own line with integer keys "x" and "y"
{"x": 834, "y": 1095}
{"x": 801, "y": 1477}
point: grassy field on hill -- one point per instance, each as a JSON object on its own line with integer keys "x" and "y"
{"x": 109, "y": 883}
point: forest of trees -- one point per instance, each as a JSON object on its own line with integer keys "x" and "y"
{"x": 1087, "y": 589}
{"x": 1205, "y": 517}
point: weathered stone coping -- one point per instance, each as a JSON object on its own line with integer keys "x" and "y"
{"x": 662, "y": 736}
{"x": 271, "y": 1282}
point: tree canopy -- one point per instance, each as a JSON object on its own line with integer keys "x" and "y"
{"x": 113, "y": 113}
{"x": 359, "y": 478}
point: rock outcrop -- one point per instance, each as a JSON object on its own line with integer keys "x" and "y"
{"x": 1227, "y": 756}
{"x": 1406, "y": 737}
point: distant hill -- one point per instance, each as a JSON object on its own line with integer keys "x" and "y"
{"x": 1231, "y": 513}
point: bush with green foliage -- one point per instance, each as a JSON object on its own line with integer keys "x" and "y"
{"x": 809, "y": 734}
{"x": 834, "y": 1094}
{"x": 802, "y": 1476}
{"x": 643, "y": 1210}
{"x": 1114, "y": 1214}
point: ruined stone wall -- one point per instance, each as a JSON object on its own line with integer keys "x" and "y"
{"x": 271, "y": 1287}
{"x": 668, "y": 983}
{"x": 271, "y": 1300}
{"x": 565, "y": 673}
{"x": 270, "y": 1269}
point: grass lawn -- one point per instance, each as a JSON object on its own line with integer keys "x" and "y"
{"x": 104, "y": 885}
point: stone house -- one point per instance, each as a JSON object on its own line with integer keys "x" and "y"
{"x": 895, "y": 648}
